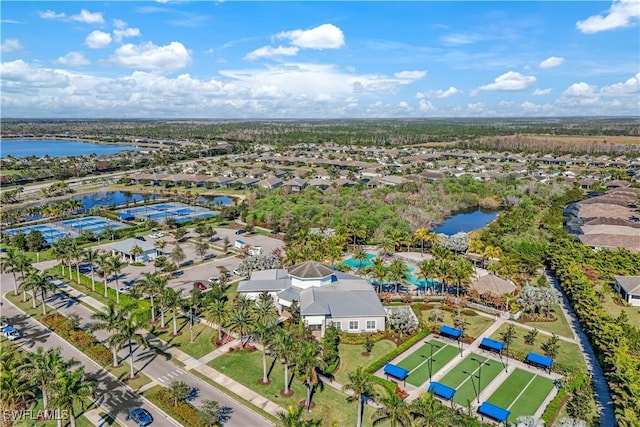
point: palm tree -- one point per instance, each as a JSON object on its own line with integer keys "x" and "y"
{"x": 386, "y": 245}
{"x": 394, "y": 410}
{"x": 91, "y": 256}
{"x": 177, "y": 254}
{"x": 436, "y": 317}
{"x": 217, "y": 313}
{"x": 398, "y": 272}
{"x": 421, "y": 234}
{"x": 13, "y": 262}
{"x": 38, "y": 282}
{"x": 380, "y": 272}
{"x": 361, "y": 384}
{"x": 15, "y": 387}
{"x": 445, "y": 272}
{"x": 360, "y": 255}
{"x": 44, "y": 366}
{"x": 462, "y": 273}
{"x": 76, "y": 253}
{"x": 111, "y": 319}
{"x": 136, "y": 251}
{"x": 60, "y": 250}
{"x": 428, "y": 269}
{"x": 282, "y": 343}
{"x": 179, "y": 390}
{"x": 356, "y": 230}
{"x": 201, "y": 246}
{"x": 239, "y": 321}
{"x": 71, "y": 389}
{"x": 127, "y": 335}
{"x": 103, "y": 264}
{"x": 152, "y": 284}
{"x": 428, "y": 412}
{"x": 115, "y": 266}
{"x": 264, "y": 318}
{"x": 308, "y": 364}
{"x": 173, "y": 301}
{"x": 293, "y": 418}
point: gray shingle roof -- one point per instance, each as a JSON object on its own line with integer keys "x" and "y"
{"x": 630, "y": 284}
{"x": 273, "y": 285}
{"x": 126, "y": 246}
{"x": 310, "y": 270}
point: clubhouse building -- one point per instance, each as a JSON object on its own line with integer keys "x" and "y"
{"x": 325, "y": 296}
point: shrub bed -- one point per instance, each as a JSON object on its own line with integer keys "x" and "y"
{"x": 78, "y": 337}
{"x": 185, "y": 412}
{"x": 355, "y": 339}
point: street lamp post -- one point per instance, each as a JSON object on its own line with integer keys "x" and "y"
{"x": 480, "y": 363}
{"x": 431, "y": 345}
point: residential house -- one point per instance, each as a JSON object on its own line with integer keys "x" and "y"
{"x": 325, "y": 296}
{"x": 629, "y": 289}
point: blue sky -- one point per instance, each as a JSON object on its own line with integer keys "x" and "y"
{"x": 334, "y": 59}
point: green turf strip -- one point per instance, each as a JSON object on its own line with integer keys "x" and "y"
{"x": 510, "y": 388}
{"x": 418, "y": 365}
{"x": 466, "y": 386}
{"x": 529, "y": 402}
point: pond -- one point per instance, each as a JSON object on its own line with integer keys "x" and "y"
{"x": 57, "y": 148}
{"x": 216, "y": 200}
{"x": 466, "y": 221}
{"x": 111, "y": 198}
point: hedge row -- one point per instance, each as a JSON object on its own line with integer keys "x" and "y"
{"x": 81, "y": 339}
{"x": 185, "y": 412}
{"x": 355, "y": 339}
{"x": 378, "y": 364}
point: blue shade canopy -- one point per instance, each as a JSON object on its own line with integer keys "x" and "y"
{"x": 442, "y": 390}
{"x": 451, "y": 332}
{"x": 396, "y": 371}
{"x": 493, "y": 411}
{"x": 539, "y": 360}
{"x": 493, "y": 345}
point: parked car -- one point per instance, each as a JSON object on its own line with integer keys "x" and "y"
{"x": 11, "y": 333}
{"x": 186, "y": 263}
{"x": 4, "y": 322}
{"x": 156, "y": 235}
{"x": 140, "y": 416}
{"x": 214, "y": 239}
{"x": 241, "y": 231}
{"x": 141, "y": 238}
{"x": 214, "y": 279}
{"x": 199, "y": 285}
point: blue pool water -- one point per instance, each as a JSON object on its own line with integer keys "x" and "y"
{"x": 466, "y": 222}
{"x": 218, "y": 200}
{"x": 57, "y": 148}
{"x": 352, "y": 263}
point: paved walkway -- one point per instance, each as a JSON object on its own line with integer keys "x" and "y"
{"x": 600, "y": 386}
{"x": 191, "y": 363}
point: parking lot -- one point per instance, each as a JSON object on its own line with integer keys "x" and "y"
{"x": 197, "y": 271}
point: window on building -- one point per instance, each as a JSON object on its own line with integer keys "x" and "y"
{"x": 371, "y": 324}
{"x": 337, "y": 325}
{"x": 353, "y": 325}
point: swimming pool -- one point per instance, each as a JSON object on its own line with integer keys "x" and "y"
{"x": 353, "y": 263}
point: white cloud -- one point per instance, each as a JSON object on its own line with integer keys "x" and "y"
{"x": 404, "y": 106}
{"x": 510, "y": 81}
{"x": 540, "y": 92}
{"x": 629, "y": 87}
{"x": 88, "y": 17}
{"x": 119, "y": 23}
{"x": 621, "y": 14}
{"x": 147, "y": 56}
{"x": 551, "y": 62}
{"x": 438, "y": 93}
{"x": 50, "y": 14}
{"x": 11, "y": 45}
{"x": 21, "y": 77}
{"x": 120, "y": 33}
{"x": 98, "y": 39}
{"x": 460, "y": 39}
{"x": 325, "y": 36}
{"x": 73, "y": 59}
{"x": 410, "y": 75}
{"x": 579, "y": 90}
{"x": 426, "y": 106}
{"x": 269, "y": 51}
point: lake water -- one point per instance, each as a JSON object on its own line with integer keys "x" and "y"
{"x": 466, "y": 221}
{"x": 216, "y": 200}
{"x": 57, "y": 148}
{"x": 110, "y": 198}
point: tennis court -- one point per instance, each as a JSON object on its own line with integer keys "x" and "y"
{"x": 93, "y": 224}
{"x": 162, "y": 211}
{"x": 419, "y": 362}
{"x": 522, "y": 393}
{"x": 50, "y": 232}
{"x": 470, "y": 377}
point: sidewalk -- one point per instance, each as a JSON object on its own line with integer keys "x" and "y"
{"x": 191, "y": 363}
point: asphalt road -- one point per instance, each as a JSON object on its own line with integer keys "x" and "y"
{"x": 115, "y": 397}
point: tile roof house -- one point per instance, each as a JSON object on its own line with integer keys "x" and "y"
{"x": 629, "y": 288}
{"x": 326, "y": 296}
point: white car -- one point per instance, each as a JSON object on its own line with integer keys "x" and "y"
{"x": 214, "y": 279}
{"x": 156, "y": 235}
{"x": 11, "y": 333}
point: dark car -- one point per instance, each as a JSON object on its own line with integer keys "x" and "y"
{"x": 140, "y": 238}
{"x": 241, "y": 231}
{"x": 140, "y": 416}
{"x": 199, "y": 285}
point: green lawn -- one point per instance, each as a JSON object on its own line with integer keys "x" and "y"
{"x": 477, "y": 324}
{"x": 331, "y": 404}
{"x": 560, "y": 326}
{"x": 464, "y": 377}
{"x": 351, "y": 358}
{"x": 614, "y": 309}
{"x": 569, "y": 354}
{"x": 417, "y": 363}
{"x": 522, "y": 393}
{"x": 202, "y": 337}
